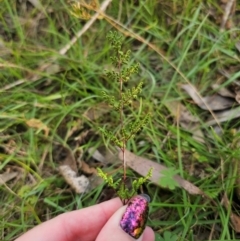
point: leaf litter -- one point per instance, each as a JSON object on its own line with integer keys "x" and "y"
{"x": 234, "y": 218}
{"x": 78, "y": 183}
{"x": 186, "y": 119}
{"x": 213, "y": 102}
{"x": 69, "y": 171}
{"x": 142, "y": 165}
{"x": 7, "y": 176}
{"x": 38, "y": 124}
{"x": 224, "y": 102}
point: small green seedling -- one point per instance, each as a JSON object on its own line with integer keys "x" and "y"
{"x": 121, "y": 74}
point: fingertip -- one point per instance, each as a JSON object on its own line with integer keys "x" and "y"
{"x": 112, "y": 229}
{"x": 148, "y": 234}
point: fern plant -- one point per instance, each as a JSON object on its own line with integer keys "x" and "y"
{"x": 120, "y": 75}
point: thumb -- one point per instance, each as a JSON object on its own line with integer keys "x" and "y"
{"x": 128, "y": 223}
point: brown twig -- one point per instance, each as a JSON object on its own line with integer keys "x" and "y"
{"x": 227, "y": 13}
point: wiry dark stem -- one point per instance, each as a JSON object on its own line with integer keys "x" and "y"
{"x": 122, "y": 124}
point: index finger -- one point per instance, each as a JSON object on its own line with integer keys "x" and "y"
{"x": 76, "y": 225}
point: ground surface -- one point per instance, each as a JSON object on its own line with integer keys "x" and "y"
{"x": 52, "y": 106}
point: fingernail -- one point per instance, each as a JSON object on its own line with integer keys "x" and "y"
{"x": 134, "y": 219}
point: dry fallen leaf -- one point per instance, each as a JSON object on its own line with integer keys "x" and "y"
{"x": 97, "y": 111}
{"x": 223, "y": 116}
{"x": 237, "y": 97}
{"x": 68, "y": 169}
{"x": 36, "y": 4}
{"x": 104, "y": 155}
{"x": 214, "y": 102}
{"x": 38, "y": 124}
{"x": 96, "y": 154}
{"x": 179, "y": 111}
{"x": 235, "y": 219}
{"x": 229, "y": 9}
{"x": 87, "y": 169}
{"x": 142, "y": 166}
{"x": 237, "y": 45}
{"x": 7, "y": 176}
{"x": 65, "y": 157}
{"x": 186, "y": 119}
{"x": 223, "y": 91}
{"x": 79, "y": 184}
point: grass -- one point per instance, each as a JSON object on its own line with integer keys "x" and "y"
{"x": 182, "y": 32}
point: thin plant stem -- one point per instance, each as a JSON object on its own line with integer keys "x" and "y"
{"x": 122, "y": 126}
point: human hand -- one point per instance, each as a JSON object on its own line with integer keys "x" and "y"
{"x": 99, "y": 222}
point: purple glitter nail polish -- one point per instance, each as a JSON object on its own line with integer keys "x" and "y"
{"x": 135, "y": 217}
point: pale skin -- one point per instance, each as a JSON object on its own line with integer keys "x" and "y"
{"x": 96, "y": 223}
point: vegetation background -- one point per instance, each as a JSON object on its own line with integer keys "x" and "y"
{"x": 51, "y": 108}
